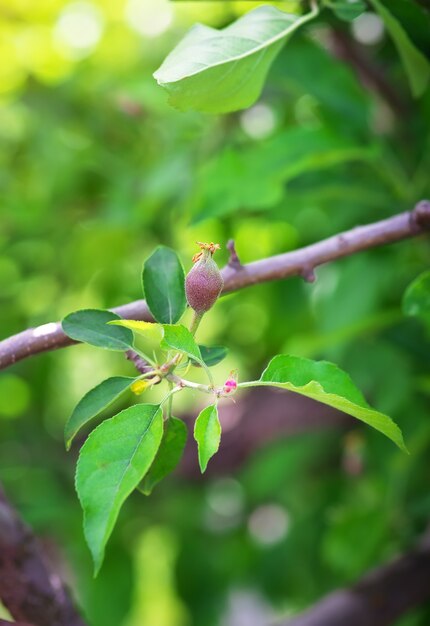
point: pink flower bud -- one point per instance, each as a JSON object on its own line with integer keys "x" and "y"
{"x": 230, "y": 385}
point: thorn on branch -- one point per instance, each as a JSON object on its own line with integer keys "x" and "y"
{"x": 420, "y": 215}
{"x": 308, "y": 274}
{"x": 234, "y": 261}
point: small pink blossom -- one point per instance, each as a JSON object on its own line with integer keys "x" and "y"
{"x": 230, "y": 384}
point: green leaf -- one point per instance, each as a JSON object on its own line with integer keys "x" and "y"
{"x": 213, "y": 355}
{"x": 168, "y": 456}
{"x": 112, "y": 462}
{"x": 179, "y": 338}
{"x": 416, "y": 300}
{"x": 91, "y": 326}
{"x": 173, "y": 336}
{"x": 207, "y": 433}
{"x": 348, "y": 10}
{"x": 93, "y": 402}
{"x": 325, "y": 382}
{"x": 164, "y": 285}
{"x": 150, "y": 330}
{"x": 416, "y": 65}
{"x": 217, "y": 71}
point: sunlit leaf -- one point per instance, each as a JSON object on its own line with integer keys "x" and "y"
{"x": 207, "y": 433}
{"x": 415, "y": 63}
{"x": 112, "y": 462}
{"x": 164, "y": 285}
{"x": 150, "y": 330}
{"x": 216, "y": 71}
{"x": 172, "y": 336}
{"x": 168, "y": 456}
{"x": 179, "y": 338}
{"x": 91, "y": 326}
{"x": 325, "y": 382}
{"x": 93, "y": 402}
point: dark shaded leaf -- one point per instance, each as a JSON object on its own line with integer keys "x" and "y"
{"x": 168, "y": 456}
{"x": 91, "y": 326}
{"x": 93, "y": 402}
{"x": 164, "y": 285}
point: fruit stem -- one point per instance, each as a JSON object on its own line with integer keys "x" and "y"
{"x": 197, "y": 318}
{"x": 169, "y": 401}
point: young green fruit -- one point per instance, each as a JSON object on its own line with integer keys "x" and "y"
{"x": 203, "y": 282}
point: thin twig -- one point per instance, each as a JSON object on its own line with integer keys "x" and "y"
{"x": 300, "y": 262}
{"x": 369, "y": 71}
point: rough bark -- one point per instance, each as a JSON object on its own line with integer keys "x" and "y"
{"x": 29, "y": 587}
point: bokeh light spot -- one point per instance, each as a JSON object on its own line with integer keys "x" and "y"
{"x": 149, "y": 18}
{"x": 268, "y": 524}
{"x": 368, "y": 29}
{"x": 259, "y": 121}
{"x": 80, "y": 27}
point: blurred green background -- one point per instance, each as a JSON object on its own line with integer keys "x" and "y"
{"x": 95, "y": 170}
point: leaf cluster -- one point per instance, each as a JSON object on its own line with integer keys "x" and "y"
{"x": 142, "y": 444}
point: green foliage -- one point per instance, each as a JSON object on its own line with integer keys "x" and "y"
{"x": 267, "y": 166}
{"x": 347, "y": 10}
{"x": 416, "y": 300}
{"x": 328, "y": 384}
{"x": 415, "y": 63}
{"x": 90, "y": 326}
{"x": 168, "y": 456}
{"x": 163, "y": 285}
{"x": 112, "y": 462}
{"x": 150, "y": 330}
{"x": 219, "y": 71}
{"x": 212, "y": 355}
{"x": 207, "y": 433}
{"x": 172, "y": 336}
{"x": 319, "y": 380}
{"x": 179, "y": 338}
{"x": 93, "y": 402}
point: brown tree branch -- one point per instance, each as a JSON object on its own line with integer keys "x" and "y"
{"x": 370, "y": 72}
{"x": 380, "y": 598}
{"x": 4, "y": 622}
{"x": 296, "y": 263}
{"x": 29, "y": 587}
